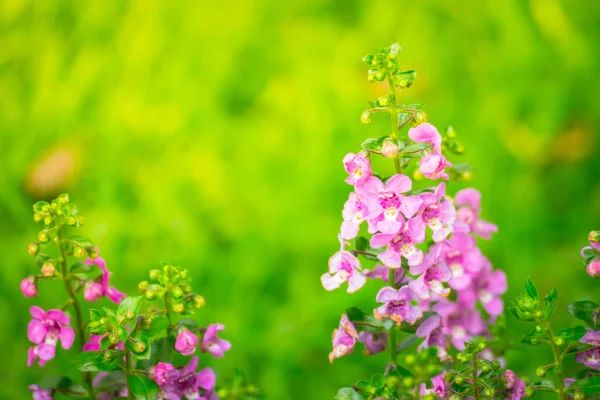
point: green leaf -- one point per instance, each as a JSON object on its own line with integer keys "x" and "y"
{"x": 531, "y": 290}
{"x": 378, "y": 381}
{"x": 372, "y": 145}
{"x": 364, "y": 322}
{"x": 388, "y": 323}
{"x": 551, "y": 300}
{"x": 572, "y": 334}
{"x": 364, "y": 385}
{"x": 94, "y": 361}
{"x": 128, "y": 305}
{"x": 405, "y": 79}
{"x": 67, "y": 386}
{"x": 583, "y": 310}
{"x": 39, "y": 206}
{"x": 143, "y": 388}
{"x": 347, "y": 394}
{"x": 158, "y": 326}
{"x": 406, "y": 343}
{"x": 588, "y": 385}
{"x": 361, "y": 243}
{"x": 122, "y": 333}
{"x": 80, "y": 241}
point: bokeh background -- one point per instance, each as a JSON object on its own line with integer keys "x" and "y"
{"x": 211, "y": 134}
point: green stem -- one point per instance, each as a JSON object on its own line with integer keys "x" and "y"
{"x": 558, "y": 358}
{"x": 128, "y": 372}
{"x": 78, "y": 318}
{"x": 474, "y": 378}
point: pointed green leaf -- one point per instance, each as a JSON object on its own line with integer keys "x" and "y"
{"x": 142, "y": 387}
{"x": 129, "y": 305}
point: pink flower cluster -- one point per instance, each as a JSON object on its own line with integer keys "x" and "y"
{"x": 185, "y": 382}
{"x": 591, "y": 254}
{"x": 187, "y": 341}
{"x": 45, "y": 330}
{"x": 400, "y": 220}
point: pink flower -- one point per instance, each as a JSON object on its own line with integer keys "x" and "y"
{"x": 186, "y": 382}
{"x": 343, "y": 267}
{"x": 29, "y": 287}
{"x": 374, "y": 342}
{"x": 343, "y": 340}
{"x": 468, "y": 210}
{"x": 385, "y": 203}
{"x": 438, "y": 215}
{"x": 398, "y": 305}
{"x": 113, "y": 294}
{"x": 45, "y": 329}
{"x": 593, "y": 268}
{"x": 432, "y": 164}
{"x": 460, "y": 323}
{"x": 40, "y": 393}
{"x": 160, "y": 372}
{"x": 464, "y": 259}
{"x": 389, "y": 148}
{"x": 433, "y": 273}
{"x": 354, "y": 214}
{"x": 213, "y": 344}
{"x": 383, "y": 273}
{"x": 438, "y": 389}
{"x": 590, "y": 358}
{"x": 93, "y": 291}
{"x": 431, "y": 331}
{"x": 358, "y": 167}
{"x": 487, "y": 286}
{"x": 94, "y": 343}
{"x": 511, "y": 378}
{"x": 399, "y": 244}
{"x": 186, "y": 342}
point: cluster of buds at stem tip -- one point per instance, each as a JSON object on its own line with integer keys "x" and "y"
{"x": 171, "y": 285}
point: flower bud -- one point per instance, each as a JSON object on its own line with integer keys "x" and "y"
{"x": 109, "y": 355}
{"x": 48, "y": 221}
{"x": 408, "y": 381}
{"x": 383, "y": 101}
{"x": 60, "y": 212}
{"x": 539, "y": 329}
{"x": 37, "y": 217}
{"x": 150, "y": 294}
{"x": 29, "y": 287}
{"x": 113, "y": 338}
{"x": 539, "y": 314}
{"x": 481, "y": 346}
{"x": 186, "y": 342}
{"x": 183, "y": 274}
{"x": 72, "y": 221}
{"x": 489, "y": 392}
{"x": 186, "y": 288}
{"x": 80, "y": 220}
{"x": 129, "y": 315}
{"x": 530, "y": 391}
{"x": 389, "y": 148}
{"x": 541, "y": 372}
{"x": 139, "y": 347}
{"x": 63, "y": 199}
{"x": 43, "y": 237}
{"x": 558, "y": 341}
{"x": 48, "y": 268}
{"x": 103, "y": 320}
{"x": 366, "y": 117}
{"x": 420, "y": 117}
{"x": 593, "y": 268}
{"x": 198, "y": 301}
{"x": 486, "y": 367}
{"x": 178, "y": 308}
{"x": 372, "y": 75}
{"x": 535, "y": 341}
{"x": 379, "y": 75}
{"x": 368, "y": 59}
{"x": 177, "y": 292}
{"x": 496, "y": 364}
{"x": 459, "y": 379}
{"x": 79, "y": 252}
{"x": 576, "y": 395}
{"x": 154, "y": 274}
{"x": 594, "y": 237}
{"x": 143, "y": 285}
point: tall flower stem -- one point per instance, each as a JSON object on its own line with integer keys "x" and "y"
{"x": 73, "y": 300}
{"x": 128, "y": 372}
{"x": 474, "y": 379}
{"x": 558, "y": 359}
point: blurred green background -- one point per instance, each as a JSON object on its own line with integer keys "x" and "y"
{"x": 211, "y": 134}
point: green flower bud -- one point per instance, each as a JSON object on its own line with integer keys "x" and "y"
{"x": 481, "y": 346}
{"x": 59, "y": 212}
{"x": 368, "y": 59}
{"x": 394, "y": 50}
{"x": 43, "y": 237}
{"x": 539, "y": 329}
{"x": 80, "y": 220}
{"x": 594, "y": 236}
{"x": 103, "y": 320}
{"x": 94, "y": 324}
{"x": 408, "y": 381}
{"x": 530, "y": 391}
{"x": 183, "y": 274}
{"x": 539, "y": 314}
{"x": 72, "y": 221}
{"x": 139, "y": 347}
{"x": 402, "y": 83}
{"x": 486, "y": 367}
{"x": 150, "y": 294}
{"x": 558, "y": 341}
{"x": 541, "y": 372}
{"x": 496, "y": 364}
{"x": 108, "y": 355}
{"x": 177, "y": 292}
{"x": 366, "y": 117}
{"x": 535, "y": 341}
{"x": 45, "y": 208}
{"x": 383, "y": 101}
{"x": 33, "y": 249}
{"x": 79, "y": 252}
{"x": 392, "y": 381}
{"x": 379, "y": 75}
{"x": 129, "y": 315}
{"x": 489, "y": 392}
{"x": 48, "y": 268}
{"x": 186, "y": 288}
{"x": 113, "y": 338}
{"x": 37, "y": 217}
{"x": 450, "y": 132}
{"x": 178, "y": 308}
{"x": 410, "y": 359}
{"x": 459, "y": 379}
{"x": 143, "y": 285}
{"x": 63, "y": 199}
{"x": 154, "y": 275}
{"x": 198, "y": 301}
{"x": 420, "y": 117}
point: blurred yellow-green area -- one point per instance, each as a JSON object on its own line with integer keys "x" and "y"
{"x": 211, "y": 134}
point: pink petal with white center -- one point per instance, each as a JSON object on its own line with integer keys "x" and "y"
{"x": 59, "y": 316}
{"x": 390, "y": 258}
{"x": 398, "y": 184}
{"x": 356, "y": 281}
{"x": 67, "y": 336}
{"x": 36, "y": 331}
{"x": 387, "y": 294}
{"x": 419, "y": 287}
{"x": 410, "y": 205}
{"x": 381, "y": 240}
{"x": 494, "y": 307}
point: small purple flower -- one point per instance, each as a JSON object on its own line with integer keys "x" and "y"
{"x": 398, "y": 305}
{"x": 45, "y": 329}
{"x": 468, "y": 204}
{"x": 386, "y": 205}
{"x": 343, "y": 340}
{"x": 590, "y": 358}
{"x": 431, "y": 331}
{"x": 487, "y": 286}
{"x": 159, "y": 373}
{"x": 186, "y": 342}
{"x": 40, "y": 393}
{"x": 438, "y": 215}
{"x": 358, "y": 167}
{"x": 464, "y": 259}
{"x": 343, "y": 267}
{"x": 460, "y": 323}
{"x": 374, "y": 342}
{"x": 399, "y": 244}
{"x": 432, "y": 164}
{"x": 511, "y": 378}
{"x": 354, "y": 214}
{"x": 113, "y": 294}
{"x": 187, "y": 382}
{"x": 518, "y": 390}
{"x": 211, "y": 343}
{"x": 29, "y": 287}
{"x": 433, "y": 273}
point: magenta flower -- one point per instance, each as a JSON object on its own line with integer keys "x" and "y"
{"x": 433, "y": 163}
{"x": 438, "y": 389}
{"x": 354, "y": 214}
{"x": 464, "y": 259}
{"x": 511, "y": 378}
{"x": 487, "y": 287}
{"x": 213, "y": 344}
{"x": 186, "y": 342}
{"x": 386, "y": 206}
{"x": 590, "y": 358}
{"x": 113, "y": 294}
{"x": 518, "y": 390}
{"x": 343, "y": 267}
{"x": 343, "y": 340}
{"x": 45, "y": 329}
{"x": 468, "y": 210}
{"x": 433, "y": 273}
{"x": 438, "y": 215}
{"x": 593, "y": 268}
{"x": 374, "y": 342}
{"x": 460, "y": 323}
{"x": 431, "y": 331}
{"x": 399, "y": 244}
{"x": 93, "y": 291}
{"x": 160, "y": 372}
{"x": 40, "y": 393}
{"x": 94, "y": 344}
{"x": 398, "y": 305}
{"x": 29, "y": 287}
{"x": 358, "y": 167}
{"x": 186, "y": 382}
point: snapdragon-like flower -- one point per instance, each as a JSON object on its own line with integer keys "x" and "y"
{"x": 354, "y": 214}
{"x": 487, "y": 287}
{"x": 438, "y": 389}
{"x": 593, "y": 268}
{"x": 187, "y": 341}
{"x": 359, "y": 168}
{"x": 45, "y": 329}
{"x": 431, "y": 332}
{"x": 375, "y": 342}
{"x": 186, "y": 382}
{"x": 468, "y": 206}
{"x": 398, "y": 305}
{"x": 432, "y": 164}
{"x": 590, "y": 358}
{"x": 460, "y": 323}
{"x": 399, "y": 244}
{"x": 438, "y": 215}
{"x": 213, "y": 344}
{"x": 40, "y": 393}
{"x": 386, "y": 204}
{"x": 29, "y": 287}
{"x": 92, "y": 293}
{"x": 343, "y": 267}
{"x": 463, "y": 257}
{"x": 343, "y": 340}
{"x": 433, "y": 273}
